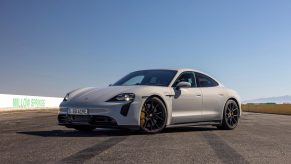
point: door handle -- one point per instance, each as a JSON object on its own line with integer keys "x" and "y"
{"x": 221, "y": 94}
{"x": 199, "y": 95}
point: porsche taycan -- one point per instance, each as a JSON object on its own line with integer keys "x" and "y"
{"x": 152, "y": 100}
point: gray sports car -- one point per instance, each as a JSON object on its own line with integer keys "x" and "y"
{"x": 151, "y": 100}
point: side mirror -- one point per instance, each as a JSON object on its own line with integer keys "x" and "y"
{"x": 183, "y": 84}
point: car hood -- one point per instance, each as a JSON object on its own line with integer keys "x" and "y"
{"x": 97, "y": 94}
{"x": 93, "y": 96}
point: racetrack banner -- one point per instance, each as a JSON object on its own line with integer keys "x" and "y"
{"x": 8, "y": 102}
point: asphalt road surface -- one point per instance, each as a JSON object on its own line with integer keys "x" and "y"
{"x": 35, "y": 137}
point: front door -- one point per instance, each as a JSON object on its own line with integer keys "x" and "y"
{"x": 187, "y": 102}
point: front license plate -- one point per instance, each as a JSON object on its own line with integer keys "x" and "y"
{"x": 77, "y": 111}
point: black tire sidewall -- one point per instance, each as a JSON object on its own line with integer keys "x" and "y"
{"x": 225, "y": 125}
{"x": 166, "y": 116}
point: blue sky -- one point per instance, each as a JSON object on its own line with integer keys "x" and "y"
{"x": 51, "y": 47}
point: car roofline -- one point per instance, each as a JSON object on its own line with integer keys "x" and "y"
{"x": 180, "y": 70}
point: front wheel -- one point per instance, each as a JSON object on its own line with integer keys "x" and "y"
{"x": 230, "y": 116}
{"x": 153, "y": 116}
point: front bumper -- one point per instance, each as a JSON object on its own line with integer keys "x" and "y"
{"x": 111, "y": 115}
{"x": 98, "y": 121}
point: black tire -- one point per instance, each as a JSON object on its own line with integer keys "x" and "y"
{"x": 230, "y": 116}
{"x": 153, "y": 117}
{"x": 84, "y": 128}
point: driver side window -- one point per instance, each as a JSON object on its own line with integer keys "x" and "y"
{"x": 186, "y": 77}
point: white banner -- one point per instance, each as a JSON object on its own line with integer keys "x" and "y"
{"x": 9, "y": 102}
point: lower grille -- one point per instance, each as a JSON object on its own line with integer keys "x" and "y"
{"x": 62, "y": 118}
{"x": 103, "y": 121}
{"x": 78, "y": 118}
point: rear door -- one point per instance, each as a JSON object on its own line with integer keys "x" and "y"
{"x": 213, "y": 97}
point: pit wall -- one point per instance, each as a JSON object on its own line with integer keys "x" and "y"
{"x": 23, "y": 102}
{"x": 284, "y": 109}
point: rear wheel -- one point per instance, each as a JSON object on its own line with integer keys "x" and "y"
{"x": 153, "y": 116}
{"x": 84, "y": 128}
{"x": 230, "y": 116}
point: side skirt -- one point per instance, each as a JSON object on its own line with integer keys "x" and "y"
{"x": 214, "y": 123}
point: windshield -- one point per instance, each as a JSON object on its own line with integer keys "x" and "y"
{"x": 148, "y": 77}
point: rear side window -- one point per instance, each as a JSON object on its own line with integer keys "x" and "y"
{"x": 205, "y": 81}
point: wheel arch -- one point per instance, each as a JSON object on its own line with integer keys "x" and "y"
{"x": 159, "y": 97}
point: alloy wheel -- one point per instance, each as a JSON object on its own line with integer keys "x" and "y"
{"x": 153, "y": 116}
{"x": 231, "y": 114}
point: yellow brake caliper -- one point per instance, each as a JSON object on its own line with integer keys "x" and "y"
{"x": 142, "y": 117}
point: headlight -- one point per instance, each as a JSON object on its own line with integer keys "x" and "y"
{"x": 67, "y": 97}
{"x": 129, "y": 97}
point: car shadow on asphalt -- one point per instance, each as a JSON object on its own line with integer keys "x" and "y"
{"x": 111, "y": 132}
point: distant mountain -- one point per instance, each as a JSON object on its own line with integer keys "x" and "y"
{"x": 277, "y": 100}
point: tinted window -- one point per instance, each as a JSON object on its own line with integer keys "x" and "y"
{"x": 186, "y": 77}
{"x": 148, "y": 77}
{"x": 134, "y": 80}
{"x": 205, "y": 81}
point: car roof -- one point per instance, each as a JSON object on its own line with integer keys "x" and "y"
{"x": 188, "y": 69}
{"x": 179, "y": 70}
